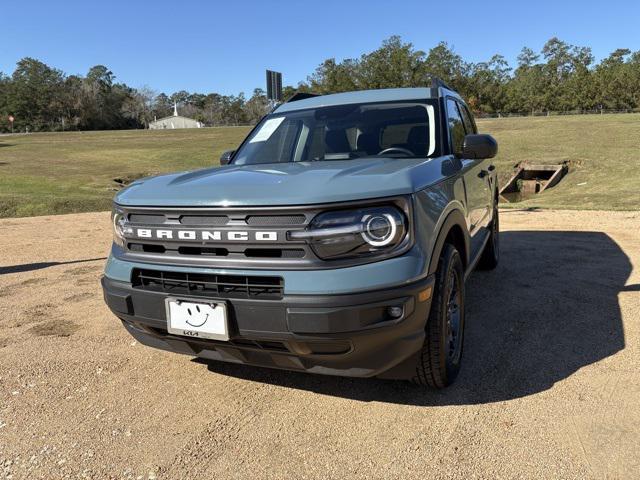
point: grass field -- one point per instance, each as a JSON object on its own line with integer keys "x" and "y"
{"x": 603, "y": 151}
{"x": 74, "y": 172}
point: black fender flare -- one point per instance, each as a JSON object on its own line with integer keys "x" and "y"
{"x": 454, "y": 219}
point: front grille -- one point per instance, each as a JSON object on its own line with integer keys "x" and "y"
{"x": 275, "y": 220}
{"x": 209, "y": 285}
{"x": 204, "y": 220}
{"x": 219, "y": 220}
{"x": 148, "y": 219}
{"x": 275, "y": 247}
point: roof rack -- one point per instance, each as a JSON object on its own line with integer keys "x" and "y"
{"x": 438, "y": 83}
{"x": 301, "y": 96}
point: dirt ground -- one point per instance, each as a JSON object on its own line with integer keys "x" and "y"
{"x": 549, "y": 388}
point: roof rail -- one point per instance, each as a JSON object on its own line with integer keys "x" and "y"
{"x": 438, "y": 83}
{"x": 301, "y": 96}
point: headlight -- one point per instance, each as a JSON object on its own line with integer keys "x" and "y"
{"x": 380, "y": 229}
{"x": 120, "y": 227}
{"x": 354, "y": 233}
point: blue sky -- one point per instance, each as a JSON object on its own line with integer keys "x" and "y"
{"x": 225, "y": 46}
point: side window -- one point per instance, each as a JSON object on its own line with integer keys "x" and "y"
{"x": 469, "y": 126}
{"x": 456, "y": 126}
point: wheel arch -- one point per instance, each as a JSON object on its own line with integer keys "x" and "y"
{"x": 454, "y": 231}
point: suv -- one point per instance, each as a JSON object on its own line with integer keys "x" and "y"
{"x": 336, "y": 239}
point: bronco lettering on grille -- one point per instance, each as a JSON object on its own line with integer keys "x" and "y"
{"x": 206, "y": 235}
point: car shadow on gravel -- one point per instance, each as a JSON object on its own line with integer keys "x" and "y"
{"x": 30, "y": 267}
{"x": 549, "y": 309}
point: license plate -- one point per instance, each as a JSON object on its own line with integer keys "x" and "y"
{"x": 197, "y": 319}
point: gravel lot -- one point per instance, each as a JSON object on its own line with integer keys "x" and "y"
{"x": 549, "y": 389}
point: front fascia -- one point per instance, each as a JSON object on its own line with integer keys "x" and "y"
{"x": 430, "y": 207}
{"x": 261, "y": 246}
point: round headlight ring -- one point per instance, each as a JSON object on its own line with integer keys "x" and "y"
{"x": 368, "y": 229}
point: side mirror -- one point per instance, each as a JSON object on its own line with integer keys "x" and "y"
{"x": 479, "y": 146}
{"x": 226, "y": 157}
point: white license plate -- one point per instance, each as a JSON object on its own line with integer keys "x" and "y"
{"x": 197, "y": 319}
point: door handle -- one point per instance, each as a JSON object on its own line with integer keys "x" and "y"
{"x": 483, "y": 173}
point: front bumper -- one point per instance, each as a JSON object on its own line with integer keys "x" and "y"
{"x": 342, "y": 334}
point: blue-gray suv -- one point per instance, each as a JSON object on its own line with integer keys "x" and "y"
{"x": 336, "y": 239}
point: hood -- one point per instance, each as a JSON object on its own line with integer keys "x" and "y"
{"x": 284, "y": 183}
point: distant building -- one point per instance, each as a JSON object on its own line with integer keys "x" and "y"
{"x": 174, "y": 121}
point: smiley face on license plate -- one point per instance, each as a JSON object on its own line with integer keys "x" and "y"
{"x": 197, "y": 319}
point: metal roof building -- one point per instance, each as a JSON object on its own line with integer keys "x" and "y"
{"x": 174, "y": 121}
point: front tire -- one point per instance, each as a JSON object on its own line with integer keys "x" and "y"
{"x": 441, "y": 355}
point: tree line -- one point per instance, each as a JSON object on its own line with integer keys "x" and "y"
{"x": 43, "y": 98}
{"x": 561, "y": 77}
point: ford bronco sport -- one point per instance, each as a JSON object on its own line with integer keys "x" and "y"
{"x": 336, "y": 239}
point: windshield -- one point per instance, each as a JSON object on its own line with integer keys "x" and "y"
{"x": 343, "y": 132}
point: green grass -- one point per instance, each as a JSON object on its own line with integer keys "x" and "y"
{"x": 75, "y": 172}
{"x": 603, "y": 152}
{"x": 52, "y": 173}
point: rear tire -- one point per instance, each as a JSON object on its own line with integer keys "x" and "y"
{"x": 441, "y": 355}
{"x": 491, "y": 254}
